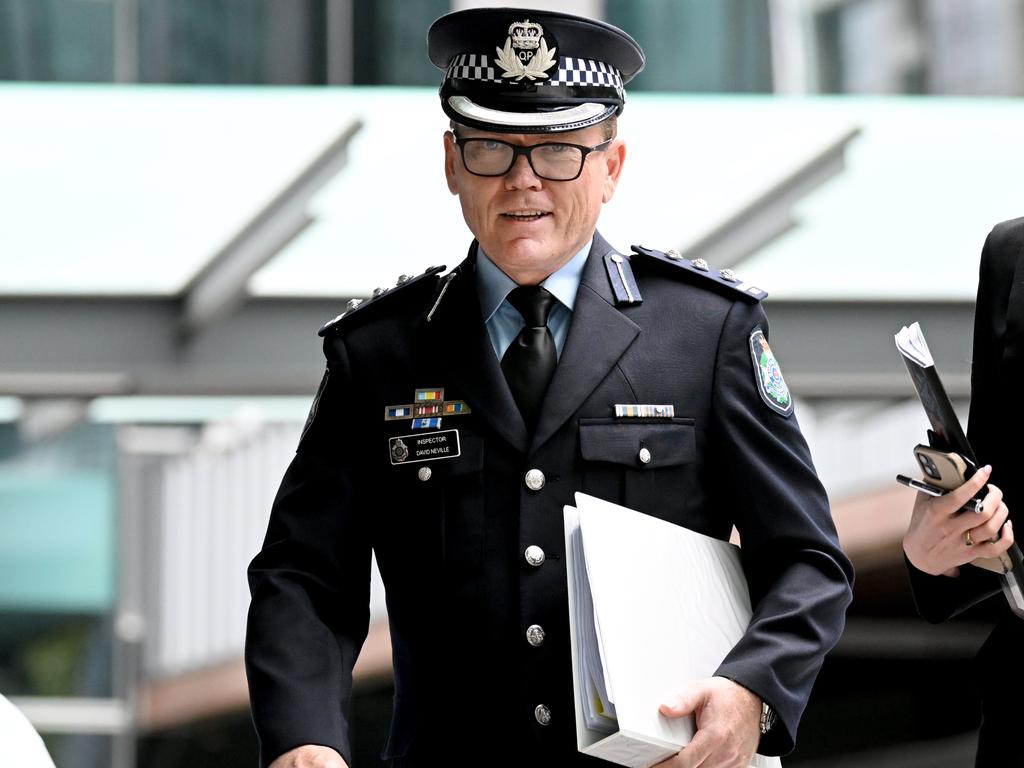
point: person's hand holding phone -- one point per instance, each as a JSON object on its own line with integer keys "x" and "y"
{"x": 942, "y": 536}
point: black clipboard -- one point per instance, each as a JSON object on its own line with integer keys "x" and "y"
{"x": 945, "y": 434}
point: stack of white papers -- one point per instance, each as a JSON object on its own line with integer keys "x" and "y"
{"x": 911, "y": 344}
{"x": 652, "y": 607}
{"x": 598, "y": 706}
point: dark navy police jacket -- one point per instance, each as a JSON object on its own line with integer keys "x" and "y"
{"x": 450, "y": 548}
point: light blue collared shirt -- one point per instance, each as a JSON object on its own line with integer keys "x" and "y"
{"x": 503, "y": 321}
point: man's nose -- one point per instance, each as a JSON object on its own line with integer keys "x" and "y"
{"x": 521, "y": 175}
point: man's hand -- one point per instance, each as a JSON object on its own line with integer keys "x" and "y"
{"x": 936, "y": 541}
{"x": 728, "y": 725}
{"x": 310, "y": 756}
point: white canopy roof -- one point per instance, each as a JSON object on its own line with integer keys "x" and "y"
{"x": 131, "y": 190}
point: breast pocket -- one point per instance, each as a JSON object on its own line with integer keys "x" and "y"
{"x": 431, "y": 514}
{"x": 461, "y": 486}
{"x": 647, "y": 465}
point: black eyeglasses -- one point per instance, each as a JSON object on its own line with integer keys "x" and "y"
{"x": 552, "y": 161}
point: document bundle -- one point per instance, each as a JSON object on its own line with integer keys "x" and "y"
{"x": 652, "y": 607}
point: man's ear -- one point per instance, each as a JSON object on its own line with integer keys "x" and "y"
{"x": 451, "y": 158}
{"x": 614, "y": 158}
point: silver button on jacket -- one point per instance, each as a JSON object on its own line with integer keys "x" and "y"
{"x": 543, "y": 714}
{"x": 535, "y": 479}
{"x": 534, "y": 555}
{"x": 535, "y": 635}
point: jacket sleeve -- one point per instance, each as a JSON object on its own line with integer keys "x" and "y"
{"x": 309, "y": 611}
{"x": 991, "y": 430}
{"x": 800, "y": 580}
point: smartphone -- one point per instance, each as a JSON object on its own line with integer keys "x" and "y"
{"x": 947, "y": 470}
{"x": 974, "y": 505}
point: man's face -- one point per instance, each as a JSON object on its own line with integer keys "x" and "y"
{"x": 527, "y": 225}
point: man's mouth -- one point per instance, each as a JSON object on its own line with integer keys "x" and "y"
{"x": 528, "y": 215}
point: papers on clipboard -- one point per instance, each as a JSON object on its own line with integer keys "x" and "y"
{"x": 912, "y": 344}
{"x": 652, "y": 606}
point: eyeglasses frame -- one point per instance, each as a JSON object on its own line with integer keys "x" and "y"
{"x": 519, "y": 149}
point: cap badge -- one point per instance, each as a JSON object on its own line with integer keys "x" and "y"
{"x": 526, "y": 53}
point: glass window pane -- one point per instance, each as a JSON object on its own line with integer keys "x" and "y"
{"x": 65, "y": 40}
{"x": 58, "y": 499}
{"x": 55, "y": 654}
{"x": 697, "y": 46}
{"x": 232, "y": 41}
{"x": 391, "y": 41}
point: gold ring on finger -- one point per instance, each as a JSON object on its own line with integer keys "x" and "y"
{"x": 967, "y": 539}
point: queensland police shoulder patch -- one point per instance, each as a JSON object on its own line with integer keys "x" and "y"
{"x": 768, "y": 374}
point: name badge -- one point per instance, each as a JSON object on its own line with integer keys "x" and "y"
{"x": 426, "y": 446}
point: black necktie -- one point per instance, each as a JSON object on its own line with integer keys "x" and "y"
{"x": 529, "y": 362}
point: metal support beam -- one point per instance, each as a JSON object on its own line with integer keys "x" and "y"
{"x": 795, "y": 45}
{"x": 84, "y": 347}
{"x": 340, "y": 42}
{"x": 69, "y": 715}
{"x": 126, "y": 41}
{"x": 770, "y": 215}
{"x": 837, "y": 349}
{"x": 220, "y": 287}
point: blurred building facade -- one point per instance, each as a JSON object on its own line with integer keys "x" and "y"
{"x": 126, "y": 525}
{"x": 943, "y": 47}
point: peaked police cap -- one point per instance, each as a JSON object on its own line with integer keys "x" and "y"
{"x": 514, "y": 70}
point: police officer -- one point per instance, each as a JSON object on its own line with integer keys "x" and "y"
{"x": 459, "y": 413}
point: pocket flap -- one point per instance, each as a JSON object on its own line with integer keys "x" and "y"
{"x": 620, "y": 442}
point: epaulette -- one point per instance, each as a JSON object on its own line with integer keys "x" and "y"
{"x": 621, "y": 279}
{"x": 722, "y": 278}
{"x": 377, "y": 297}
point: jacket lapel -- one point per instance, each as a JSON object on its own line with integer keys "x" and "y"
{"x": 456, "y": 332}
{"x": 598, "y": 336}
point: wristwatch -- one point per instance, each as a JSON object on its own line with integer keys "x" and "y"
{"x": 767, "y": 718}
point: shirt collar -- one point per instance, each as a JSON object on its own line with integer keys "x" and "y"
{"x": 494, "y": 285}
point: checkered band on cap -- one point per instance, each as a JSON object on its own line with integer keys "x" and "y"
{"x": 572, "y": 70}
{"x": 472, "y": 66}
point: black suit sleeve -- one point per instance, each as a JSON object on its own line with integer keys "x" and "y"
{"x": 994, "y": 423}
{"x": 310, "y": 587}
{"x": 799, "y": 578}
{"x": 938, "y": 598}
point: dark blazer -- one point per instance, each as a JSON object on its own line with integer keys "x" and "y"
{"x": 995, "y": 429}
{"x": 450, "y": 548}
